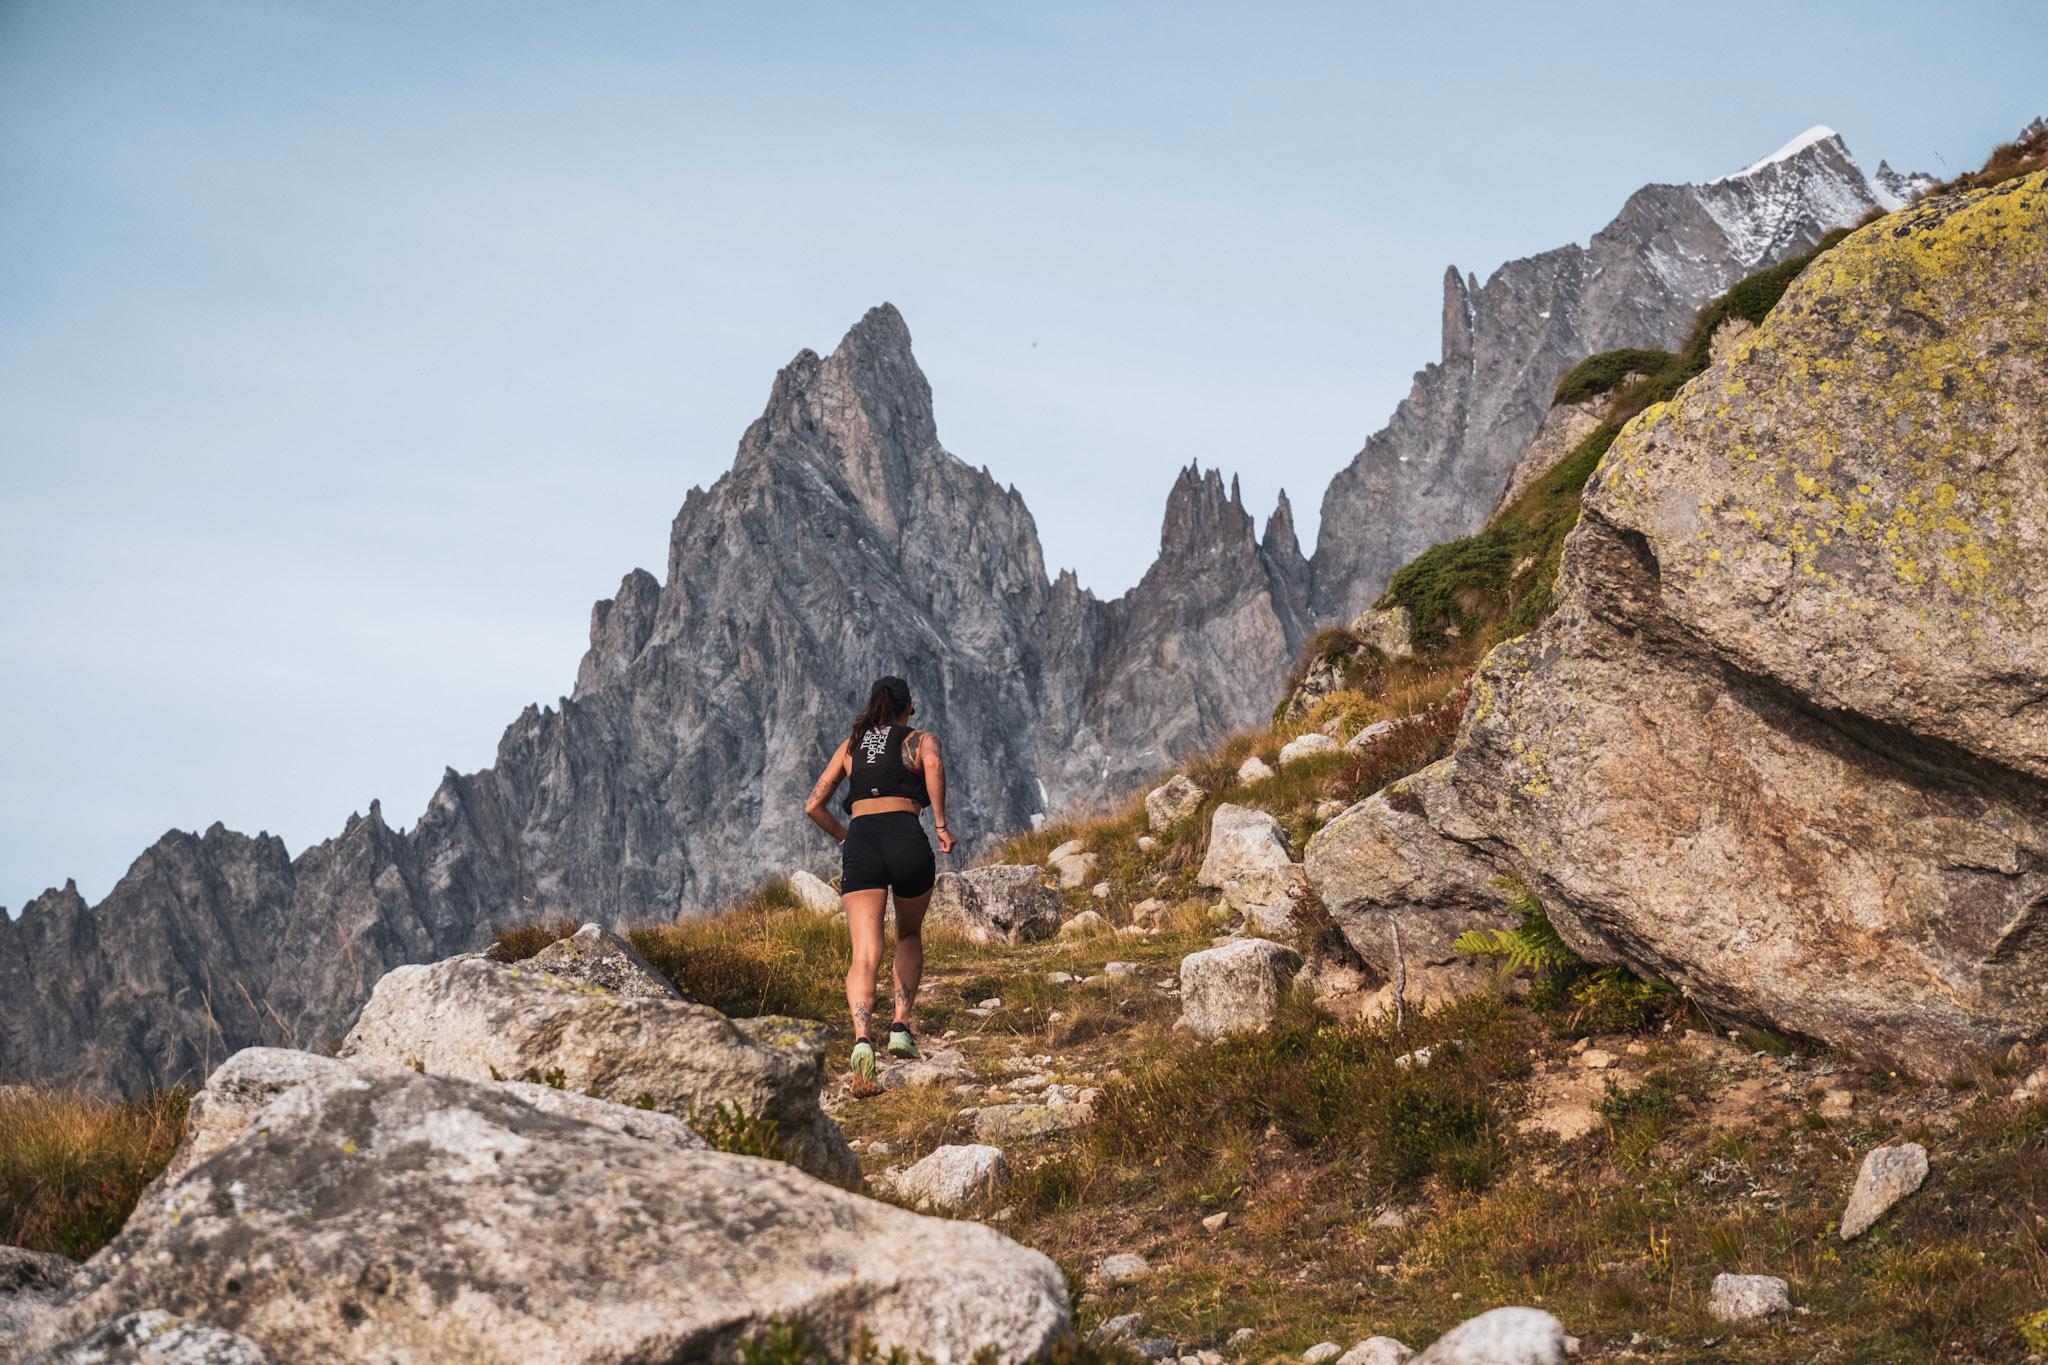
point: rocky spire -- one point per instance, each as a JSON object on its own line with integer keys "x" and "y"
{"x": 1287, "y": 572}
{"x": 1280, "y": 542}
{"x": 865, "y": 412}
{"x": 1202, "y": 519}
{"x": 1457, "y": 321}
{"x": 619, "y": 629}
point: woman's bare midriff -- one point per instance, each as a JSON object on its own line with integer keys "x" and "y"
{"x": 880, "y": 805}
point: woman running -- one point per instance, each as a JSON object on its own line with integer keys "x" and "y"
{"x": 892, "y": 773}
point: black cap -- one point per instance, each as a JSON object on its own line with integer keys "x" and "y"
{"x": 898, "y": 690}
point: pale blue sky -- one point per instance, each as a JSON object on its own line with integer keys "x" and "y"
{"x": 349, "y": 351}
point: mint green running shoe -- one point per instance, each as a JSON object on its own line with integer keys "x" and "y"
{"x": 901, "y": 1044}
{"x": 864, "y": 1060}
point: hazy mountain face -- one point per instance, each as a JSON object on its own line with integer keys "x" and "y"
{"x": 1435, "y": 469}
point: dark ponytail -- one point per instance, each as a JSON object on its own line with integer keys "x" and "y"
{"x": 887, "y": 699}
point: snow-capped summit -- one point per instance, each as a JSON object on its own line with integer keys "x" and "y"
{"x": 1895, "y": 190}
{"x": 1772, "y": 207}
{"x": 1440, "y": 464}
{"x": 1820, "y": 132}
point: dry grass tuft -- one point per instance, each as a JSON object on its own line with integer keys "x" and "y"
{"x": 519, "y": 942}
{"x": 760, "y": 957}
{"x": 72, "y": 1167}
{"x": 1329, "y": 1090}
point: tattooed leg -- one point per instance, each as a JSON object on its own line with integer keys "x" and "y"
{"x": 864, "y": 922}
{"x": 909, "y": 953}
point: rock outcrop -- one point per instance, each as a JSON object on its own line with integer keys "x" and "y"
{"x": 1237, "y": 987}
{"x": 477, "y": 1020}
{"x": 1443, "y": 458}
{"x": 1783, "y": 742}
{"x": 1247, "y": 859}
{"x": 399, "y": 1217}
{"x": 1004, "y": 902}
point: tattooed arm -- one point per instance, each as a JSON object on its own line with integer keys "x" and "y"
{"x": 819, "y": 804}
{"x": 935, "y": 784}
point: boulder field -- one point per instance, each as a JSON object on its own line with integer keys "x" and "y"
{"x": 1783, "y": 742}
{"x": 423, "y": 1200}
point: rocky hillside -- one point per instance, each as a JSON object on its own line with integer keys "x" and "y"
{"x": 1782, "y": 741}
{"x": 847, "y": 542}
{"x": 1443, "y": 458}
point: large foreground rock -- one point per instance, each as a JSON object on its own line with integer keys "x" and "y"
{"x": 483, "y": 1021}
{"x": 1783, "y": 742}
{"x": 1402, "y": 888}
{"x": 247, "y": 1083}
{"x": 1003, "y": 903}
{"x": 1247, "y": 858}
{"x": 396, "y": 1217}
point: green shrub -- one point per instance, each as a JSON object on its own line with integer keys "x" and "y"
{"x": 1444, "y": 585}
{"x": 72, "y": 1167}
{"x": 1616, "y": 1000}
{"x": 1607, "y": 999}
{"x": 730, "y": 1128}
{"x": 1656, "y": 1097}
{"x": 1533, "y": 945}
{"x": 1328, "y": 1089}
{"x": 1603, "y": 373}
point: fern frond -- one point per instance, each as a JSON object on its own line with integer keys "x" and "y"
{"x": 1533, "y": 945}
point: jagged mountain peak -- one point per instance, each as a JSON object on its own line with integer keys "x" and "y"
{"x": 1815, "y": 136}
{"x": 1280, "y": 536}
{"x": 864, "y": 412}
{"x": 1203, "y": 517}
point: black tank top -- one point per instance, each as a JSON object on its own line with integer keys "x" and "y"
{"x": 878, "y": 769}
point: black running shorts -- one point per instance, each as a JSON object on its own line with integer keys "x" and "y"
{"x": 887, "y": 850}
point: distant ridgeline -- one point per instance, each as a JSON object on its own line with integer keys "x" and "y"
{"x": 844, "y": 542}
